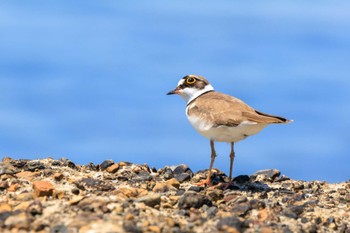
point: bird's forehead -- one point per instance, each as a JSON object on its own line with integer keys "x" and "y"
{"x": 181, "y": 82}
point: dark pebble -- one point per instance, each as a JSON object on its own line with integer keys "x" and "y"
{"x": 168, "y": 173}
{"x": 150, "y": 200}
{"x": 195, "y": 188}
{"x": 183, "y": 177}
{"x": 105, "y": 164}
{"x": 318, "y": 220}
{"x": 182, "y": 169}
{"x": 189, "y": 200}
{"x": 241, "y": 179}
{"x": 267, "y": 174}
{"x": 75, "y": 191}
{"x": 4, "y": 185}
{"x": 34, "y": 165}
{"x": 257, "y": 204}
{"x": 142, "y": 177}
{"x": 241, "y": 209}
{"x": 7, "y": 169}
{"x": 130, "y": 226}
{"x": 19, "y": 163}
{"x": 122, "y": 178}
{"x": 56, "y": 163}
{"x": 180, "y": 192}
{"x": 35, "y": 208}
{"x": 68, "y": 163}
{"x": 233, "y": 222}
{"x": 293, "y": 211}
{"x": 211, "y": 211}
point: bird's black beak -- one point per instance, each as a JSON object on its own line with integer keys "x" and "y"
{"x": 175, "y": 91}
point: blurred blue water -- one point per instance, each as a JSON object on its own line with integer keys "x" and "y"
{"x": 87, "y": 80}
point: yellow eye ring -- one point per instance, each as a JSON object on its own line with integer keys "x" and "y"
{"x": 190, "y": 80}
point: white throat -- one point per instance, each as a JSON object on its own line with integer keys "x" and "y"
{"x": 189, "y": 94}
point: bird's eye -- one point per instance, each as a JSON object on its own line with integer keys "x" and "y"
{"x": 190, "y": 80}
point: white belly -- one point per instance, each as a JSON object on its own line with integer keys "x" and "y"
{"x": 224, "y": 133}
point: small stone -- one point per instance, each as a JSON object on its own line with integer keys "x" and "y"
{"x": 113, "y": 168}
{"x": 18, "y": 221}
{"x": 241, "y": 209}
{"x": 211, "y": 211}
{"x": 35, "y": 208}
{"x": 195, "y": 188}
{"x": 293, "y": 211}
{"x": 230, "y": 224}
{"x": 105, "y": 164}
{"x": 76, "y": 200}
{"x": 182, "y": 168}
{"x": 59, "y": 229}
{"x": 155, "y": 229}
{"x": 93, "y": 184}
{"x": 13, "y": 187}
{"x": 169, "y": 185}
{"x": 4, "y": 185}
{"x": 6, "y": 159}
{"x": 183, "y": 177}
{"x": 168, "y": 173}
{"x": 75, "y": 191}
{"x": 150, "y": 200}
{"x": 20, "y": 163}
{"x": 241, "y": 179}
{"x": 342, "y": 191}
{"x": 27, "y": 175}
{"x": 215, "y": 194}
{"x": 67, "y": 163}
{"x": 265, "y": 175}
{"x": 43, "y": 188}
{"x": 34, "y": 166}
{"x": 4, "y": 206}
{"x": 7, "y": 169}
{"x": 25, "y": 196}
{"x": 195, "y": 200}
{"x": 130, "y": 192}
{"x": 347, "y": 197}
{"x": 263, "y": 215}
{"x": 257, "y": 204}
{"x": 58, "y": 176}
{"x": 173, "y": 182}
{"x": 266, "y": 230}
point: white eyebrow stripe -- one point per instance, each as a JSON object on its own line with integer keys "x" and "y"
{"x": 181, "y": 82}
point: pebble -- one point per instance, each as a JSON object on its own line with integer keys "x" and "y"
{"x": 231, "y": 224}
{"x": 151, "y": 200}
{"x": 58, "y": 176}
{"x": 94, "y": 184}
{"x": 105, "y": 164}
{"x": 43, "y": 188}
{"x": 265, "y": 175}
{"x": 193, "y": 200}
{"x": 113, "y": 168}
{"x": 34, "y": 166}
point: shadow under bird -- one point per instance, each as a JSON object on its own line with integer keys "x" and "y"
{"x": 220, "y": 117}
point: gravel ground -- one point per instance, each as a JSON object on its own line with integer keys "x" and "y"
{"x": 59, "y": 196}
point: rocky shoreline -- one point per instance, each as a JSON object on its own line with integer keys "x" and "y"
{"x": 51, "y": 195}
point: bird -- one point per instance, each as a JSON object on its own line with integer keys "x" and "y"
{"x": 220, "y": 117}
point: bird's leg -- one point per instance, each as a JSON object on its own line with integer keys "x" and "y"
{"x": 213, "y": 155}
{"x": 232, "y": 157}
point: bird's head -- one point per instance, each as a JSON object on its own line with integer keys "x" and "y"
{"x": 191, "y": 86}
